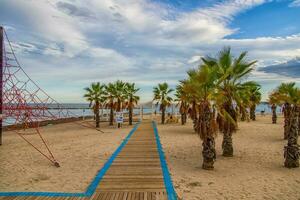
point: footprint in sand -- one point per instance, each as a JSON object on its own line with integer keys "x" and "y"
{"x": 40, "y": 177}
{"x": 194, "y": 184}
{"x": 186, "y": 190}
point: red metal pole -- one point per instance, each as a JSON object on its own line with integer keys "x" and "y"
{"x": 1, "y": 77}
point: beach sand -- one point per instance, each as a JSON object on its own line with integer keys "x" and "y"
{"x": 255, "y": 172}
{"x": 80, "y": 151}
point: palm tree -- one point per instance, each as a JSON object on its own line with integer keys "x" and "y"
{"x": 230, "y": 72}
{"x": 110, "y": 101}
{"x": 191, "y": 97}
{"x": 248, "y": 96}
{"x": 94, "y": 94}
{"x": 291, "y": 151}
{"x": 203, "y": 83}
{"x": 120, "y": 96}
{"x": 274, "y": 101}
{"x": 182, "y": 99}
{"x": 243, "y": 105}
{"x": 289, "y": 95}
{"x": 284, "y": 91}
{"x": 132, "y": 99}
{"x": 255, "y": 98}
{"x": 161, "y": 95}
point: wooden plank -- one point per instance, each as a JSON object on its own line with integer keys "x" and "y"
{"x": 8, "y": 198}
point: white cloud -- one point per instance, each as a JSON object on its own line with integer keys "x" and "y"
{"x": 53, "y": 50}
{"x": 136, "y": 40}
{"x": 194, "y": 59}
{"x": 50, "y": 23}
{"x": 268, "y": 48}
{"x": 152, "y": 24}
{"x": 206, "y": 25}
{"x": 23, "y": 47}
{"x": 295, "y": 3}
{"x": 130, "y": 22}
{"x": 56, "y": 26}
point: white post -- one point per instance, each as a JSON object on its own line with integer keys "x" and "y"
{"x": 152, "y": 110}
{"x": 141, "y": 115}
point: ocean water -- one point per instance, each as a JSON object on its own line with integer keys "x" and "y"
{"x": 267, "y": 108}
{"x": 83, "y": 110}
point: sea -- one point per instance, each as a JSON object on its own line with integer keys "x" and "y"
{"x": 83, "y": 110}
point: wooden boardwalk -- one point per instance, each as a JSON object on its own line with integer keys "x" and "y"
{"x": 135, "y": 174}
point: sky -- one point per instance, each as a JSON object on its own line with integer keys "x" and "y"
{"x": 65, "y": 45}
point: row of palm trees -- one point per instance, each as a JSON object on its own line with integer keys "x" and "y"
{"x": 288, "y": 96}
{"x": 214, "y": 96}
{"x": 115, "y": 96}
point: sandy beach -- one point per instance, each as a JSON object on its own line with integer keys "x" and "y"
{"x": 81, "y": 152}
{"x": 255, "y": 172}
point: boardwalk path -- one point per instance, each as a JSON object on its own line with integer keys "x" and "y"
{"x": 136, "y": 171}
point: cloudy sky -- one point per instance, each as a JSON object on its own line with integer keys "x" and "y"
{"x": 64, "y": 45}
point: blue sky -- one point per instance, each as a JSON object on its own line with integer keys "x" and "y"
{"x": 64, "y": 45}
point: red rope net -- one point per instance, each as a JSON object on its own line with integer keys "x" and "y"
{"x": 25, "y": 104}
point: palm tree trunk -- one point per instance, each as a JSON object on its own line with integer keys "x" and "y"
{"x": 252, "y": 112}
{"x": 228, "y": 129}
{"x": 243, "y": 113}
{"x": 198, "y": 123}
{"x": 163, "y": 110}
{"x": 182, "y": 110}
{"x": 194, "y": 115}
{"x": 291, "y": 150}
{"x": 298, "y": 107}
{"x": 97, "y": 115}
{"x": 227, "y": 141}
{"x": 130, "y": 114}
{"x": 208, "y": 153}
{"x": 220, "y": 122}
{"x": 208, "y": 144}
{"x": 193, "y": 112}
{"x": 119, "y": 110}
{"x": 111, "y": 115}
{"x": 274, "y": 115}
{"x": 287, "y": 114}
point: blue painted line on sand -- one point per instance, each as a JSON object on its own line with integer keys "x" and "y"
{"x": 91, "y": 188}
{"x": 167, "y": 178}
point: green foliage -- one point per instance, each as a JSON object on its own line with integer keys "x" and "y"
{"x": 132, "y": 98}
{"x": 95, "y": 94}
{"x": 117, "y": 95}
{"x": 162, "y": 95}
{"x": 220, "y": 81}
{"x": 286, "y": 93}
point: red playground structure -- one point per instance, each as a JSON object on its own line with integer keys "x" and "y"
{"x": 22, "y": 102}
